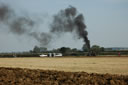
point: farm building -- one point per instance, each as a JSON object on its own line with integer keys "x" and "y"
{"x": 51, "y": 55}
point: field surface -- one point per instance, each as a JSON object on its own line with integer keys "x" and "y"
{"x": 102, "y": 65}
{"x": 18, "y": 76}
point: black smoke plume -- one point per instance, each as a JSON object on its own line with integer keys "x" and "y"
{"x": 43, "y": 38}
{"x": 4, "y": 12}
{"x": 69, "y": 20}
{"x": 22, "y": 25}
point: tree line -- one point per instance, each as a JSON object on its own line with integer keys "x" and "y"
{"x": 68, "y": 51}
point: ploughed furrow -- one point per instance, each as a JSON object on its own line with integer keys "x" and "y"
{"x": 18, "y": 76}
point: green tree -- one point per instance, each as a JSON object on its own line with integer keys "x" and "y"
{"x": 36, "y": 49}
{"x": 85, "y": 48}
{"x": 96, "y": 49}
{"x": 101, "y": 49}
{"x": 74, "y": 50}
{"x": 64, "y": 50}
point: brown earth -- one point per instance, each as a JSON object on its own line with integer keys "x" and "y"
{"x": 18, "y": 76}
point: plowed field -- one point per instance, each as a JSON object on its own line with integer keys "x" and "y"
{"x": 17, "y": 76}
{"x": 64, "y": 71}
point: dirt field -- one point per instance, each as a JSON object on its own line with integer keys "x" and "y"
{"x": 17, "y": 76}
{"x": 112, "y": 65}
{"x": 50, "y": 76}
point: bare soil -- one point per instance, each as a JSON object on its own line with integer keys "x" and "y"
{"x": 18, "y": 76}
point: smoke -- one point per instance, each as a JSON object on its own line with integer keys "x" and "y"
{"x": 69, "y": 20}
{"x": 22, "y": 25}
{"x": 4, "y": 12}
{"x": 43, "y": 38}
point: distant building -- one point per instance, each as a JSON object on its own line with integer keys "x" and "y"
{"x": 116, "y": 49}
{"x": 51, "y": 55}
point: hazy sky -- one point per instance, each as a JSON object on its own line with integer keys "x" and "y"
{"x": 106, "y": 20}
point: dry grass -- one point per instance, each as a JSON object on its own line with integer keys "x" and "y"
{"x": 113, "y": 65}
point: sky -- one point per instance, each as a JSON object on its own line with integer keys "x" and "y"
{"x": 106, "y": 20}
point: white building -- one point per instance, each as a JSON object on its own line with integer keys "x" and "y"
{"x": 51, "y": 55}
